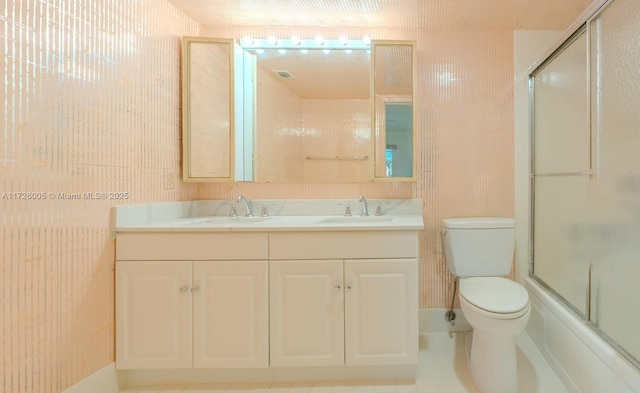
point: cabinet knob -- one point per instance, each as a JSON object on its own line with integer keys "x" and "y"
{"x": 348, "y": 287}
{"x": 195, "y": 289}
{"x": 338, "y": 287}
{"x": 184, "y": 289}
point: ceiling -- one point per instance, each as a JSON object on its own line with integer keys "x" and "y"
{"x": 421, "y": 14}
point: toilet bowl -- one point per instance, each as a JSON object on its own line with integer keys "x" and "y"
{"x": 479, "y": 251}
{"x": 498, "y": 310}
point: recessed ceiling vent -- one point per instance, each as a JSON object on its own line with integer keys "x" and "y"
{"x": 284, "y": 74}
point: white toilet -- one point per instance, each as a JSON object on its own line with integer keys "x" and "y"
{"x": 479, "y": 251}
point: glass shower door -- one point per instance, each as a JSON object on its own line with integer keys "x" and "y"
{"x": 561, "y": 170}
{"x": 586, "y": 174}
{"x": 615, "y": 109}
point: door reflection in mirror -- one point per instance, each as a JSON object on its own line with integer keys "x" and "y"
{"x": 394, "y": 74}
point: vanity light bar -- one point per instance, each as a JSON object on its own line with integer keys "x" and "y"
{"x": 296, "y": 43}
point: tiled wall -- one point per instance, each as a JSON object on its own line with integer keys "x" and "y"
{"x": 91, "y": 94}
{"x": 91, "y": 105}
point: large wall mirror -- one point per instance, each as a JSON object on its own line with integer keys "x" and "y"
{"x": 312, "y": 113}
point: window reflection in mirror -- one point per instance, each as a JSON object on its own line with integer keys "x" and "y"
{"x": 393, "y": 95}
{"x": 399, "y": 139}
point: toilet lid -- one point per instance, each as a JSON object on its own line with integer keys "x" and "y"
{"x": 494, "y": 294}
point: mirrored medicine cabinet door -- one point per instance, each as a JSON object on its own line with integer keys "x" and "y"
{"x": 393, "y": 93}
{"x": 207, "y": 109}
{"x": 302, "y": 114}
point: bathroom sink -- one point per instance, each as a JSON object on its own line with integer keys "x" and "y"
{"x": 247, "y": 220}
{"x": 221, "y": 221}
{"x": 231, "y": 220}
{"x": 354, "y": 220}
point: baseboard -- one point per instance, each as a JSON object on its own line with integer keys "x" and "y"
{"x": 130, "y": 379}
{"x": 102, "y": 381}
{"x": 432, "y": 320}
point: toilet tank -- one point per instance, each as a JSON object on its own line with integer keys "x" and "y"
{"x": 479, "y": 246}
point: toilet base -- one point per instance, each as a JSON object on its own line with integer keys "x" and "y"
{"x": 492, "y": 362}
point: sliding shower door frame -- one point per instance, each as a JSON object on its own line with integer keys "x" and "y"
{"x": 582, "y": 26}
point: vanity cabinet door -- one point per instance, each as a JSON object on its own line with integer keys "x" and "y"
{"x": 381, "y": 311}
{"x": 306, "y": 313}
{"x": 153, "y": 314}
{"x": 230, "y": 314}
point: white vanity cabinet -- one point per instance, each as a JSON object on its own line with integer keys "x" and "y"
{"x": 208, "y": 309}
{"x": 306, "y": 313}
{"x": 276, "y": 300}
{"x": 230, "y": 314}
{"x": 326, "y": 309}
{"x": 153, "y": 314}
{"x": 381, "y": 311}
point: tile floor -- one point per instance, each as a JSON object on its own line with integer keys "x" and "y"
{"x": 443, "y": 369}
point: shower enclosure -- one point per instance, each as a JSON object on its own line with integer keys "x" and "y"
{"x": 585, "y": 180}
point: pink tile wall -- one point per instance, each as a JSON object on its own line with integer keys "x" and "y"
{"x": 91, "y": 92}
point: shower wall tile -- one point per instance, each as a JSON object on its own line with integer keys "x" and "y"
{"x": 91, "y": 108}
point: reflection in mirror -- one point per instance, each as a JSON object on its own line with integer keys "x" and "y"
{"x": 399, "y": 139}
{"x": 394, "y": 90}
{"x": 207, "y": 96}
{"x": 313, "y": 115}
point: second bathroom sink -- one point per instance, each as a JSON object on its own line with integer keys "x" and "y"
{"x": 354, "y": 220}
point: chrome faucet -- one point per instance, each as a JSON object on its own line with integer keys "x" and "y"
{"x": 247, "y": 205}
{"x": 363, "y": 202}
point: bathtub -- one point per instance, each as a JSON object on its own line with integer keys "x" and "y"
{"x": 580, "y": 357}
